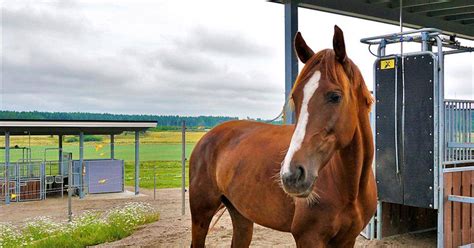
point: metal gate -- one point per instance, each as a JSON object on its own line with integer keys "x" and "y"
{"x": 30, "y": 180}
{"x": 405, "y": 136}
{"x": 7, "y": 184}
{"x": 25, "y": 181}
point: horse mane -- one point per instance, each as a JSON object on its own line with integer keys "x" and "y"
{"x": 336, "y": 72}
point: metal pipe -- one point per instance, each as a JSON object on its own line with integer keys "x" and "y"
{"x": 441, "y": 143}
{"x": 291, "y": 62}
{"x": 69, "y": 192}
{"x": 403, "y": 88}
{"x": 424, "y": 42}
{"x": 60, "y": 155}
{"x": 460, "y": 198}
{"x": 7, "y": 168}
{"x": 183, "y": 167}
{"x": 61, "y": 163}
{"x": 379, "y": 220}
{"x": 137, "y": 162}
{"x": 458, "y": 169}
{"x": 369, "y": 40}
{"x": 81, "y": 165}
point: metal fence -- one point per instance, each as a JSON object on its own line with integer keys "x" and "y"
{"x": 458, "y": 131}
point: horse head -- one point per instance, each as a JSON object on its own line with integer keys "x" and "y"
{"x": 329, "y": 98}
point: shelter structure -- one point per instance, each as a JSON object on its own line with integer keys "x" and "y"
{"x": 28, "y": 179}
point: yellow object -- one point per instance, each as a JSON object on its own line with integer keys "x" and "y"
{"x": 98, "y": 147}
{"x": 13, "y": 196}
{"x": 387, "y": 64}
{"x": 102, "y": 154}
{"x": 102, "y": 181}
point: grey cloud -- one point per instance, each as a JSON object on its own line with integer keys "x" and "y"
{"x": 223, "y": 43}
{"x": 185, "y": 62}
{"x": 29, "y": 20}
{"x": 53, "y": 72}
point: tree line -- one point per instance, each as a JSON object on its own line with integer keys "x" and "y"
{"x": 162, "y": 120}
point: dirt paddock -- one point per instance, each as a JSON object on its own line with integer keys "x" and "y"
{"x": 173, "y": 229}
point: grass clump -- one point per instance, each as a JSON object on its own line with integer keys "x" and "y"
{"x": 90, "y": 228}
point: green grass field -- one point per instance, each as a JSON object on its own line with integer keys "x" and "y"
{"x": 168, "y": 174}
{"x": 148, "y": 152}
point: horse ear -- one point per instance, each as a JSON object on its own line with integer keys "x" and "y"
{"x": 303, "y": 51}
{"x": 339, "y": 45}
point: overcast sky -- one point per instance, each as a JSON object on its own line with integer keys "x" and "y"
{"x": 208, "y": 57}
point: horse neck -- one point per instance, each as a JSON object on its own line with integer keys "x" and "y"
{"x": 352, "y": 164}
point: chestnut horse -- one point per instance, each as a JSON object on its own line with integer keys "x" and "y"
{"x": 313, "y": 179}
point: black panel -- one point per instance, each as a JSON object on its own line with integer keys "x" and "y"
{"x": 389, "y": 184}
{"x": 419, "y": 142}
{"x": 413, "y": 184}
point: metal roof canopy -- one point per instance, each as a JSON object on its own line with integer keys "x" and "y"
{"x": 451, "y": 16}
{"x": 67, "y": 127}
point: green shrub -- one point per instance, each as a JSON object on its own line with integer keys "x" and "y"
{"x": 72, "y": 139}
{"x": 92, "y": 138}
{"x": 87, "y": 138}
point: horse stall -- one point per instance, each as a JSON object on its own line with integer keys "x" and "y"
{"x": 424, "y": 157}
{"x": 28, "y": 179}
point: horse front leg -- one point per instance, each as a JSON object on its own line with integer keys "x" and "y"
{"x": 310, "y": 240}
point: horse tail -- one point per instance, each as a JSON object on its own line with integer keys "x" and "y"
{"x": 219, "y": 212}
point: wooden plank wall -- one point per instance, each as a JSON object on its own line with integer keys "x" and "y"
{"x": 458, "y": 217}
{"x": 30, "y": 190}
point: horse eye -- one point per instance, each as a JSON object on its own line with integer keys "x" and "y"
{"x": 333, "y": 97}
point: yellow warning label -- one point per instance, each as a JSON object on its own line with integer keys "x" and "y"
{"x": 387, "y": 64}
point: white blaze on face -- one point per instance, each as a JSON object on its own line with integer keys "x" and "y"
{"x": 300, "y": 130}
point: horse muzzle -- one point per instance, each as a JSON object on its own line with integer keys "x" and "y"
{"x": 297, "y": 182}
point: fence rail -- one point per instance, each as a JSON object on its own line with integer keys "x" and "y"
{"x": 458, "y": 132}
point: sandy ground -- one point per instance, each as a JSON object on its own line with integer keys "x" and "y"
{"x": 174, "y": 229}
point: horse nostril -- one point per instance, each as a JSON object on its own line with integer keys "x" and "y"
{"x": 299, "y": 173}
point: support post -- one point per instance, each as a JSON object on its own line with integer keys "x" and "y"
{"x": 379, "y": 220}
{"x": 81, "y": 165}
{"x": 7, "y": 168}
{"x": 69, "y": 192}
{"x": 60, "y": 163}
{"x": 441, "y": 142}
{"x": 291, "y": 62}
{"x": 183, "y": 167}
{"x": 154, "y": 182}
{"x": 60, "y": 153}
{"x": 137, "y": 162}
{"x": 112, "y": 146}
